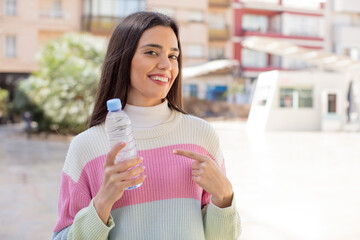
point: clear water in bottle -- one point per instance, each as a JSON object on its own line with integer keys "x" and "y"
{"x": 119, "y": 129}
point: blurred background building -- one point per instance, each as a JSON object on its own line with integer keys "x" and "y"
{"x": 298, "y": 22}
{"x": 210, "y": 30}
{"x": 25, "y": 25}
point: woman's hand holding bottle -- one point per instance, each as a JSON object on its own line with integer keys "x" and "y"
{"x": 116, "y": 179}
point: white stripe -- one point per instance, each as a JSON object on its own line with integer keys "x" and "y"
{"x": 160, "y": 220}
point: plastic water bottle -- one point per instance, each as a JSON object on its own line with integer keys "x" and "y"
{"x": 118, "y": 128}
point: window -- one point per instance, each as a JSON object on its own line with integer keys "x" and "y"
{"x": 331, "y": 103}
{"x": 101, "y": 16}
{"x": 305, "y": 98}
{"x": 216, "y": 21}
{"x": 113, "y": 8}
{"x": 56, "y": 10}
{"x": 296, "y": 98}
{"x": 52, "y": 9}
{"x": 257, "y": 23}
{"x": 286, "y": 98}
{"x": 194, "y": 51}
{"x": 298, "y": 25}
{"x": 275, "y": 25}
{"x": 10, "y": 46}
{"x": 251, "y": 58}
{"x": 196, "y": 16}
{"x": 10, "y": 7}
{"x": 216, "y": 53}
{"x": 276, "y": 61}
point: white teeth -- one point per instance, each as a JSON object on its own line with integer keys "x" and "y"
{"x": 161, "y": 79}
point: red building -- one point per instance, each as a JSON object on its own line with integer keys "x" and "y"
{"x": 299, "y": 22}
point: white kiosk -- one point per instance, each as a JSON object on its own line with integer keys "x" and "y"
{"x": 298, "y": 101}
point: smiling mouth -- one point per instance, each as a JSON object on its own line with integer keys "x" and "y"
{"x": 161, "y": 79}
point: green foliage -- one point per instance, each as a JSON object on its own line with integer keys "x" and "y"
{"x": 64, "y": 87}
{"x": 236, "y": 87}
{"x": 4, "y": 97}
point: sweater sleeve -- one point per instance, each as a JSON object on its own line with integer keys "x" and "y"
{"x": 78, "y": 218}
{"x": 219, "y": 223}
{"x": 86, "y": 225}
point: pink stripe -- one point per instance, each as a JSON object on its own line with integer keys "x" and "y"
{"x": 70, "y": 202}
{"x": 168, "y": 176}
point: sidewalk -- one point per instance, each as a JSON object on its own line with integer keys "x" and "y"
{"x": 289, "y": 185}
{"x": 30, "y": 171}
{"x": 294, "y": 185}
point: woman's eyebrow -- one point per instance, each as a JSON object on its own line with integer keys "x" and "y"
{"x": 158, "y": 46}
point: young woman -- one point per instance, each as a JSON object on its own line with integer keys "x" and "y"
{"x": 185, "y": 193}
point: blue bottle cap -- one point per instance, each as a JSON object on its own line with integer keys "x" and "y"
{"x": 113, "y": 104}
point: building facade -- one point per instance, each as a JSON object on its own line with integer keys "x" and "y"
{"x": 345, "y": 20}
{"x": 345, "y": 35}
{"x": 25, "y": 25}
{"x": 209, "y": 30}
{"x": 298, "y": 22}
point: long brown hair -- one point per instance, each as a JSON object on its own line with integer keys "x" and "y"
{"x": 115, "y": 76}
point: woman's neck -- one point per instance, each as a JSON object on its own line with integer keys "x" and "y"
{"x": 146, "y": 117}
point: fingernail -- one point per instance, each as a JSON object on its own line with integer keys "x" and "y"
{"x": 175, "y": 151}
{"x": 141, "y": 159}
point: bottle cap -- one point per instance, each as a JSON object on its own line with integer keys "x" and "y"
{"x": 113, "y": 104}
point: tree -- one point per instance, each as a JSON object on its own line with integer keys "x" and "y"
{"x": 4, "y": 97}
{"x": 65, "y": 85}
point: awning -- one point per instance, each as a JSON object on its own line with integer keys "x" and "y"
{"x": 209, "y": 67}
{"x": 328, "y": 61}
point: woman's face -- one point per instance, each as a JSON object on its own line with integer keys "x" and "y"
{"x": 154, "y": 67}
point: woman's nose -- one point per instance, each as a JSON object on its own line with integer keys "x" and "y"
{"x": 164, "y": 63}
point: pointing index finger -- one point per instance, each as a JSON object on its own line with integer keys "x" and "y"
{"x": 191, "y": 154}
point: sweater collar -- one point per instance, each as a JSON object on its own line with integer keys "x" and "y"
{"x": 147, "y": 117}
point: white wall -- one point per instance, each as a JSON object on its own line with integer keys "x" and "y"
{"x": 272, "y": 117}
{"x": 347, "y": 35}
{"x": 347, "y": 5}
{"x": 259, "y": 115}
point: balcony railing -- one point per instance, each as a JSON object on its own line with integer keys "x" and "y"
{"x": 220, "y": 3}
{"x": 219, "y": 34}
{"x": 51, "y": 14}
{"x": 274, "y": 34}
{"x": 99, "y": 24}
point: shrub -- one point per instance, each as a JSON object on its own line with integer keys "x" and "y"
{"x": 61, "y": 93}
{"x": 4, "y": 97}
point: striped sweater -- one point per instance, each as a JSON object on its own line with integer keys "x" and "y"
{"x": 169, "y": 205}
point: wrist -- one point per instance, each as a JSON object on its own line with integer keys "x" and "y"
{"x": 224, "y": 200}
{"x": 103, "y": 210}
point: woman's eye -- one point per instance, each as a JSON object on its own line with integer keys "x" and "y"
{"x": 152, "y": 53}
{"x": 175, "y": 57}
